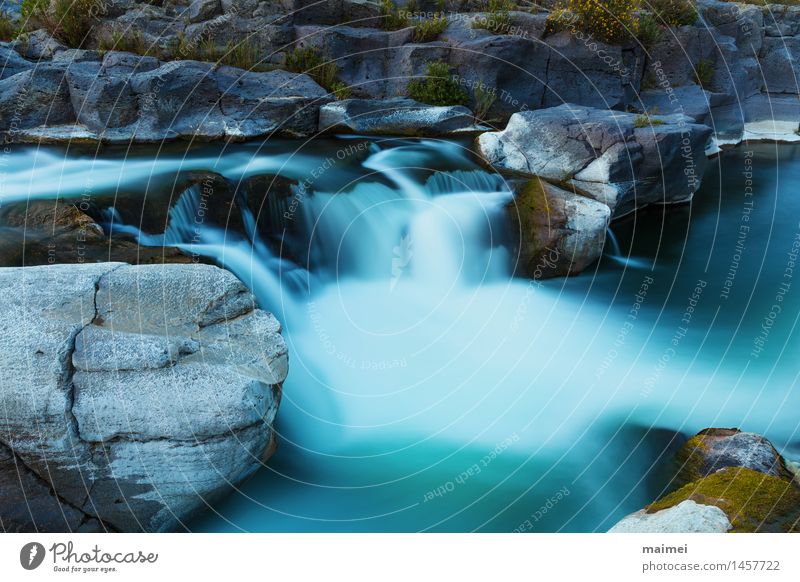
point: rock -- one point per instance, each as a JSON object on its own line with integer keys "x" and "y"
{"x": 679, "y": 51}
{"x": 761, "y": 118}
{"x": 361, "y": 54}
{"x": 686, "y": 517}
{"x": 779, "y": 62}
{"x": 134, "y": 395}
{"x": 739, "y": 473}
{"x": 603, "y": 154}
{"x": 397, "y": 116}
{"x": 35, "y": 97}
{"x": 576, "y": 74}
{"x": 513, "y": 66}
{"x": 559, "y": 233}
{"x": 753, "y": 501}
{"x": 691, "y": 100}
{"x": 130, "y": 98}
{"x": 713, "y": 449}
{"x": 44, "y": 232}
{"x": 267, "y": 40}
{"x": 39, "y": 45}
{"x": 200, "y": 10}
{"x": 13, "y": 63}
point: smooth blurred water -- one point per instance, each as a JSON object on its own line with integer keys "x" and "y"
{"x": 429, "y": 390}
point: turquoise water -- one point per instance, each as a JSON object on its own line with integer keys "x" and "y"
{"x": 430, "y": 391}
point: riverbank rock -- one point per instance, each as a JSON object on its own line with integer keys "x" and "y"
{"x": 621, "y": 159}
{"x": 124, "y": 98}
{"x": 713, "y": 449}
{"x": 134, "y": 395}
{"x": 559, "y": 233}
{"x": 685, "y": 517}
{"x": 45, "y": 232}
{"x": 738, "y": 473}
{"x": 395, "y": 117}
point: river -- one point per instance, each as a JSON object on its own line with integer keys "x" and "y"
{"x": 431, "y": 391}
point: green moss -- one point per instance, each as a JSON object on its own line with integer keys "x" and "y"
{"x": 691, "y": 460}
{"x": 437, "y": 87}
{"x": 752, "y": 501}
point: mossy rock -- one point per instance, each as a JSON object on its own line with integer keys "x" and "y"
{"x": 715, "y": 448}
{"x": 753, "y": 501}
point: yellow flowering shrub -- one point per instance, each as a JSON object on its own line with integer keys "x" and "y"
{"x": 611, "y": 21}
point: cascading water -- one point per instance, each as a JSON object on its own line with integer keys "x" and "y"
{"x": 429, "y": 390}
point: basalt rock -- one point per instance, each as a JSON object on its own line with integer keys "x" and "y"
{"x": 559, "y": 233}
{"x": 133, "y": 396}
{"x": 127, "y": 98}
{"x": 621, "y": 159}
{"x": 398, "y": 116}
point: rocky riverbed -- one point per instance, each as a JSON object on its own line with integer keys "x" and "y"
{"x": 134, "y": 350}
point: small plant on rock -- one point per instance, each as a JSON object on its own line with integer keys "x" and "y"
{"x": 704, "y": 72}
{"x": 644, "y": 120}
{"x": 8, "y": 30}
{"x": 391, "y": 17}
{"x": 673, "y": 12}
{"x": 484, "y": 99}
{"x": 497, "y": 18}
{"x": 648, "y": 31}
{"x": 308, "y": 60}
{"x": 437, "y": 87}
{"x": 429, "y": 29}
{"x": 70, "y": 21}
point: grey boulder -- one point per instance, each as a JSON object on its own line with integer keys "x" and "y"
{"x": 610, "y": 156}
{"x": 686, "y": 517}
{"x": 133, "y": 396}
{"x": 398, "y": 116}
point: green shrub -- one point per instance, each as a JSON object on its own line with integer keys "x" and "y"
{"x": 484, "y": 99}
{"x": 673, "y": 12}
{"x": 429, "y": 29}
{"x": 70, "y": 21}
{"x": 340, "y": 90}
{"x": 648, "y": 31}
{"x": 391, "y": 17}
{"x": 437, "y": 87}
{"x": 704, "y": 72}
{"x": 129, "y": 41}
{"x": 497, "y": 18}
{"x": 308, "y": 60}
{"x": 8, "y": 30}
{"x": 244, "y": 55}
